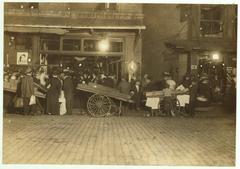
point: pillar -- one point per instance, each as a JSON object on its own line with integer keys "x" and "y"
{"x": 35, "y": 49}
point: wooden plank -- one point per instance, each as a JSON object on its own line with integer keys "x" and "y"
{"x": 13, "y": 88}
{"x": 161, "y": 93}
{"x": 106, "y": 91}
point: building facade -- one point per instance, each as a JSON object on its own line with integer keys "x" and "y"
{"x": 181, "y": 38}
{"x": 104, "y": 35}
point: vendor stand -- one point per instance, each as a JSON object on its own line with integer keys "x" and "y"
{"x": 11, "y": 87}
{"x": 155, "y": 99}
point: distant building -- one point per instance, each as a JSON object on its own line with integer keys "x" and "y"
{"x": 178, "y": 37}
{"x": 58, "y": 33}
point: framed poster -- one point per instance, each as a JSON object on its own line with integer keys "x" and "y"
{"x": 22, "y": 58}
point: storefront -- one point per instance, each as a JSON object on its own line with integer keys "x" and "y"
{"x": 104, "y": 51}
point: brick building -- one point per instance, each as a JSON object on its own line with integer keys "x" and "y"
{"x": 64, "y": 33}
{"x": 184, "y": 35}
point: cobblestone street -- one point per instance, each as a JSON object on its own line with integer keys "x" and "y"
{"x": 207, "y": 139}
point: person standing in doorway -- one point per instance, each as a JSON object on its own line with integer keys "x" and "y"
{"x": 27, "y": 89}
{"x": 68, "y": 90}
{"x": 53, "y": 93}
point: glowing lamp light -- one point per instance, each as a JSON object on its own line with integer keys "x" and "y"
{"x": 132, "y": 67}
{"x": 215, "y": 57}
{"x": 80, "y": 65}
{"x": 103, "y": 45}
{"x": 29, "y": 59}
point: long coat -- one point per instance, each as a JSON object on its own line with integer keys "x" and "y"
{"x": 68, "y": 87}
{"x": 27, "y": 86}
{"x": 53, "y": 96}
{"x": 137, "y": 94}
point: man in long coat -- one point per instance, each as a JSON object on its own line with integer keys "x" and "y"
{"x": 53, "y": 93}
{"x": 68, "y": 91}
{"x": 27, "y": 90}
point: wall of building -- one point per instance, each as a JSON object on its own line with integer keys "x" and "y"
{"x": 132, "y": 41}
{"x": 121, "y": 7}
{"x": 161, "y": 25}
{"x": 229, "y": 23}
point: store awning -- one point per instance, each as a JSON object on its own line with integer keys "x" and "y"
{"x": 24, "y": 29}
{"x": 71, "y": 23}
{"x": 202, "y": 45}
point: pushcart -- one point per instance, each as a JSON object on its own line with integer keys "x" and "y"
{"x": 171, "y": 106}
{"x": 103, "y": 100}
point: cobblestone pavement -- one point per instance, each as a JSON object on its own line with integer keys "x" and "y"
{"x": 207, "y": 139}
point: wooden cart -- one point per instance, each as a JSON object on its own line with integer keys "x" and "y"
{"x": 101, "y": 102}
{"x": 175, "y": 105}
{"x": 12, "y": 87}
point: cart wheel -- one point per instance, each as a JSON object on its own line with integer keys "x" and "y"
{"x": 99, "y": 105}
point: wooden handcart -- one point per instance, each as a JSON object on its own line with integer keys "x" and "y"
{"x": 12, "y": 87}
{"x": 101, "y": 102}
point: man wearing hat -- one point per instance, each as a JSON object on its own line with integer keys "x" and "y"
{"x": 68, "y": 90}
{"x": 27, "y": 89}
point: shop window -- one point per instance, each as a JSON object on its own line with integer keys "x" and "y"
{"x": 72, "y": 44}
{"x": 116, "y": 47}
{"x": 211, "y": 24}
{"x": 50, "y": 44}
{"x": 91, "y": 45}
{"x": 23, "y": 43}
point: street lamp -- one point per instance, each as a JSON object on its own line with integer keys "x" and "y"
{"x": 215, "y": 57}
{"x": 103, "y": 45}
{"x": 132, "y": 68}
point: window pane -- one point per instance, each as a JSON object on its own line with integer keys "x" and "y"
{"x": 216, "y": 13}
{"x": 91, "y": 45}
{"x": 50, "y": 44}
{"x": 211, "y": 21}
{"x": 205, "y": 28}
{"x": 72, "y": 44}
{"x": 205, "y": 13}
{"x": 216, "y": 27}
{"x": 23, "y": 43}
{"x": 116, "y": 47}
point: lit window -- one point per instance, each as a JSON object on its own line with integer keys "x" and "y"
{"x": 211, "y": 24}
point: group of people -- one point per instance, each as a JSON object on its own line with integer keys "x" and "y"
{"x": 57, "y": 85}
{"x": 60, "y": 85}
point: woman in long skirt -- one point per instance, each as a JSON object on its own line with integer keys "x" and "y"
{"x": 54, "y": 91}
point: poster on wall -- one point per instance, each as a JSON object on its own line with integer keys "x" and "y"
{"x": 22, "y": 58}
